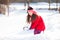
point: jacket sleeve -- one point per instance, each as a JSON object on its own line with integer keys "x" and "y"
{"x": 34, "y": 24}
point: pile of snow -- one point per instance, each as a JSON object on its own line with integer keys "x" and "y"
{"x": 18, "y": 6}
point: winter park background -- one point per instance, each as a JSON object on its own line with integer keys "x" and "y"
{"x": 11, "y": 27}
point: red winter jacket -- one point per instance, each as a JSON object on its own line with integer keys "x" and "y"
{"x": 38, "y": 24}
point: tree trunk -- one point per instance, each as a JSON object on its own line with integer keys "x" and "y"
{"x": 8, "y": 6}
{"x": 49, "y": 4}
{"x": 28, "y": 1}
{"x": 25, "y": 4}
{"x": 56, "y": 4}
{"x": 59, "y": 9}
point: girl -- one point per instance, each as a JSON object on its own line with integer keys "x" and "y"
{"x": 36, "y": 21}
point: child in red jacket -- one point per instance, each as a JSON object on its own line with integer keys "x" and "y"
{"x": 36, "y": 21}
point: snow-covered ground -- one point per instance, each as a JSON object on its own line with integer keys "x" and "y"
{"x": 11, "y": 27}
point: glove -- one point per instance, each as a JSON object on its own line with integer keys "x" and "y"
{"x": 25, "y": 28}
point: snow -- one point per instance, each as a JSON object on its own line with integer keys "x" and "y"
{"x": 18, "y": 6}
{"x": 11, "y": 27}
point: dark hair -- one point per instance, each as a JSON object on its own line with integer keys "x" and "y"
{"x": 30, "y": 8}
{"x": 33, "y": 17}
